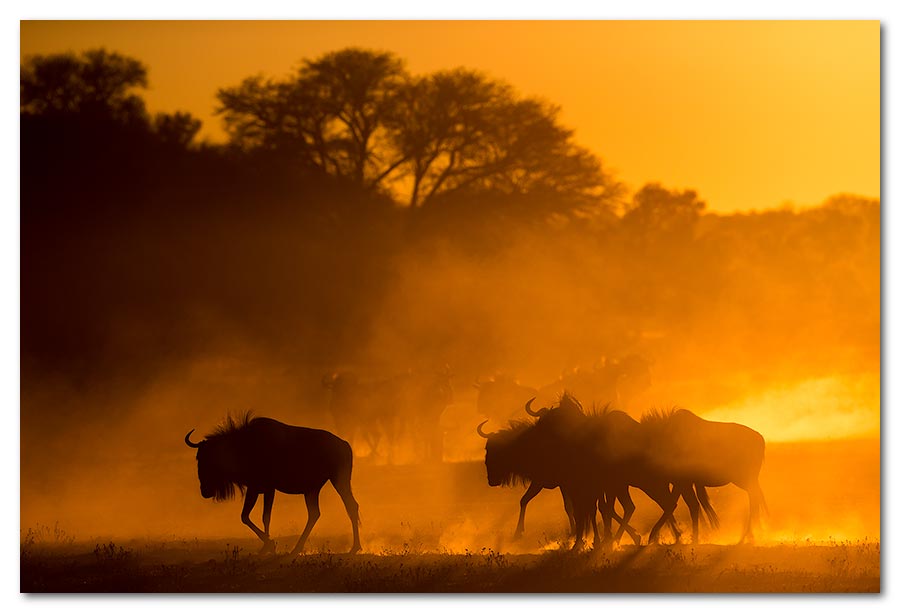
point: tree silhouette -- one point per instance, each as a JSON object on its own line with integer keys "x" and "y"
{"x": 96, "y": 85}
{"x": 328, "y": 115}
{"x": 357, "y": 114}
{"x": 176, "y": 129}
{"x": 659, "y": 212}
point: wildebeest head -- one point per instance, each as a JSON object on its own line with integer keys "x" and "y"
{"x": 214, "y": 463}
{"x": 503, "y": 457}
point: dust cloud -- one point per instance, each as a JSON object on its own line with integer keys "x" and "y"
{"x": 168, "y": 283}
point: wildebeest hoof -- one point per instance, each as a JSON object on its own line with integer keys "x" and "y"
{"x": 355, "y": 549}
{"x": 268, "y": 547}
{"x": 517, "y": 536}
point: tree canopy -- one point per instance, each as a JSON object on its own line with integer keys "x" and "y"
{"x": 359, "y": 114}
{"x": 95, "y": 84}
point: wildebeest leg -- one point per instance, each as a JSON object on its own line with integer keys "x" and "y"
{"x": 533, "y": 490}
{"x": 593, "y": 518}
{"x": 686, "y": 491}
{"x": 667, "y": 501}
{"x": 582, "y": 506}
{"x": 268, "y": 499}
{"x": 313, "y": 513}
{"x": 249, "y": 502}
{"x": 606, "y": 504}
{"x": 754, "y": 495}
{"x": 627, "y": 511}
{"x": 570, "y": 511}
{"x": 342, "y": 485}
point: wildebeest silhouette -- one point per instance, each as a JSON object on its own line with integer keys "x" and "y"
{"x": 385, "y": 412}
{"x": 261, "y": 456}
{"x": 688, "y": 448}
{"x": 509, "y": 461}
{"x": 364, "y": 410}
{"x": 599, "y": 455}
{"x": 619, "y": 445}
{"x": 545, "y": 454}
{"x": 613, "y": 382}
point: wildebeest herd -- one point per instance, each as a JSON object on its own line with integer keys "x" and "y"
{"x": 594, "y": 457}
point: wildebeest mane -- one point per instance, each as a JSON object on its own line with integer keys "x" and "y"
{"x": 223, "y": 486}
{"x": 231, "y": 425}
{"x": 656, "y": 416}
{"x": 514, "y": 429}
{"x": 601, "y": 411}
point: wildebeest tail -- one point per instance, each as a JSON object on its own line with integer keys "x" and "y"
{"x": 703, "y": 497}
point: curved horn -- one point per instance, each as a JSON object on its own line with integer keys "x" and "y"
{"x": 528, "y": 409}
{"x": 187, "y": 439}
{"x": 480, "y": 431}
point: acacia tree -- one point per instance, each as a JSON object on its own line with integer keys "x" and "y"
{"x": 94, "y": 85}
{"x": 97, "y": 90}
{"x": 329, "y": 114}
{"x": 357, "y": 114}
{"x": 663, "y": 213}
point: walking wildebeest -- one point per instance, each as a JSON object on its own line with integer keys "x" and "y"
{"x": 426, "y": 395}
{"x": 688, "y": 448}
{"x": 611, "y": 445}
{"x": 548, "y": 454}
{"x": 364, "y": 409}
{"x": 261, "y": 455}
{"x": 388, "y": 413}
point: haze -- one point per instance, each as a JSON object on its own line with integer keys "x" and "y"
{"x": 166, "y": 282}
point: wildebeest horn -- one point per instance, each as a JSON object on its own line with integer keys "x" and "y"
{"x": 528, "y": 409}
{"x": 480, "y": 431}
{"x": 187, "y": 439}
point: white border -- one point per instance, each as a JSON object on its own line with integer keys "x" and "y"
{"x": 460, "y": 9}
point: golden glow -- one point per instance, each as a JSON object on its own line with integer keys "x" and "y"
{"x": 748, "y": 114}
{"x": 751, "y": 114}
{"x": 815, "y": 409}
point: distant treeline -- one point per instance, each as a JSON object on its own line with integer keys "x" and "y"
{"x": 362, "y": 214}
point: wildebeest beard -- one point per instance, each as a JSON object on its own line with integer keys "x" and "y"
{"x": 224, "y": 490}
{"x": 212, "y": 461}
{"x": 508, "y": 468}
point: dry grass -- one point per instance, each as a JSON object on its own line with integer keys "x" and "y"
{"x": 218, "y": 566}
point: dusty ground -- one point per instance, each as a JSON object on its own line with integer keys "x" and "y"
{"x": 216, "y": 566}
{"x": 441, "y": 528}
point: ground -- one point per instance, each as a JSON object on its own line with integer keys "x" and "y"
{"x": 441, "y": 528}
{"x": 217, "y": 566}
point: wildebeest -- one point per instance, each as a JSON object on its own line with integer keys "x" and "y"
{"x": 260, "y": 455}
{"x": 506, "y": 459}
{"x": 613, "y": 382}
{"x": 363, "y": 409}
{"x": 688, "y": 448}
{"x": 547, "y": 454}
{"x": 385, "y": 412}
{"x": 425, "y": 396}
{"x": 594, "y": 459}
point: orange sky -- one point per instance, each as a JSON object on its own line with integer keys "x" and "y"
{"x": 751, "y": 114}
